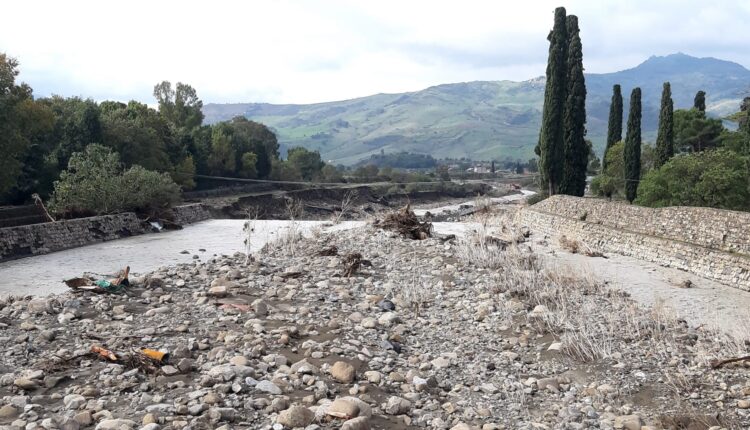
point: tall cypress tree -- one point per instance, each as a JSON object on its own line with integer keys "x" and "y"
{"x": 699, "y": 102}
{"x": 614, "y": 130}
{"x": 632, "y": 149}
{"x": 665, "y": 136}
{"x": 551, "y": 135}
{"x": 576, "y": 152}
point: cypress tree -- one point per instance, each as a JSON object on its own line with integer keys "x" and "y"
{"x": 632, "y": 149}
{"x": 665, "y": 136}
{"x": 551, "y": 135}
{"x": 699, "y": 102}
{"x": 614, "y": 130}
{"x": 576, "y": 152}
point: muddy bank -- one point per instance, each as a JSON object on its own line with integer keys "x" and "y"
{"x": 356, "y": 202}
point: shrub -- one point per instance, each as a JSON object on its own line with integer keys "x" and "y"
{"x": 95, "y": 183}
{"x": 716, "y": 178}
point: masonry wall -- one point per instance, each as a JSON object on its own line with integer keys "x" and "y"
{"x": 707, "y": 242}
{"x": 34, "y": 239}
{"x": 43, "y": 238}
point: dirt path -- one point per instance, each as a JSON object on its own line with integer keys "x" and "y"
{"x": 705, "y": 303}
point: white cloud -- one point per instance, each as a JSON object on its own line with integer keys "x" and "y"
{"x": 301, "y": 51}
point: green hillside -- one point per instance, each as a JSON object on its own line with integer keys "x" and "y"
{"x": 483, "y": 120}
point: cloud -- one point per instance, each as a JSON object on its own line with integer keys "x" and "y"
{"x": 294, "y": 51}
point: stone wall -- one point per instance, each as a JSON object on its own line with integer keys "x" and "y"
{"x": 188, "y": 214}
{"x": 707, "y": 242}
{"x": 34, "y": 239}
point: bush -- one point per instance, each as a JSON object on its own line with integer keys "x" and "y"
{"x": 95, "y": 183}
{"x": 717, "y": 178}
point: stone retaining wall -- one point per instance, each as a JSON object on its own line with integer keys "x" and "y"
{"x": 35, "y": 239}
{"x": 707, "y": 242}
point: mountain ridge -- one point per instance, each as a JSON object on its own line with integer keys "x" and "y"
{"x": 484, "y": 119}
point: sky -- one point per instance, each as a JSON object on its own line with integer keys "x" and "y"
{"x": 286, "y": 51}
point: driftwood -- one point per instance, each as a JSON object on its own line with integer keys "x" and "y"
{"x": 715, "y": 364}
{"x": 351, "y": 263}
{"x": 328, "y": 251}
{"x": 405, "y": 222}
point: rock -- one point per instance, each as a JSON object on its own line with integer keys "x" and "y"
{"x": 365, "y": 410}
{"x": 440, "y": 363}
{"x": 8, "y": 411}
{"x": 151, "y": 426}
{"x": 628, "y": 422}
{"x": 222, "y": 414}
{"x": 743, "y": 404}
{"x": 268, "y": 387}
{"x": 488, "y": 388}
{"x": 386, "y": 305}
{"x": 388, "y": 319}
{"x": 296, "y": 416}
{"x": 74, "y": 401}
{"x": 261, "y": 308}
{"x": 169, "y": 370}
{"x": 217, "y": 291}
{"x": 461, "y": 426}
{"x": 84, "y": 418}
{"x": 25, "y": 383}
{"x": 116, "y": 424}
{"x": 397, "y": 406}
{"x": 555, "y": 346}
{"x": 238, "y": 360}
{"x": 373, "y": 376}
{"x": 148, "y": 419}
{"x": 359, "y": 423}
{"x": 342, "y": 372}
{"x": 369, "y": 322}
{"x": 341, "y": 408}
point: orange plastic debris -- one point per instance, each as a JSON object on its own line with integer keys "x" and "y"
{"x": 155, "y": 355}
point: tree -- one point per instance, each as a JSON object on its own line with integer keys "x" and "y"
{"x": 695, "y": 132}
{"x": 180, "y": 106}
{"x": 614, "y": 129}
{"x": 632, "y": 149}
{"x": 12, "y": 141}
{"x": 610, "y": 183}
{"x": 665, "y": 136}
{"x": 221, "y": 161}
{"x": 576, "y": 152}
{"x": 699, "y": 102}
{"x": 307, "y": 163}
{"x": 551, "y": 142}
{"x": 140, "y": 136}
{"x": 594, "y": 165}
{"x": 251, "y": 136}
{"x": 249, "y": 159}
{"x": 184, "y": 173}
{"x": 717, "y": 178}
{"x": 95, "y": 183}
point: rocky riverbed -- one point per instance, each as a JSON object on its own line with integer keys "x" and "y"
{"x": 435, "y": 333}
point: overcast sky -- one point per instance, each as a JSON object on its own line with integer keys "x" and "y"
{"x": 311, "y": 51}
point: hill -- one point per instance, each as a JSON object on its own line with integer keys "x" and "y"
{"x": 484, "y": 119}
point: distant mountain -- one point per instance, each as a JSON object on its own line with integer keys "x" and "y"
{"x": 484, "y": 119}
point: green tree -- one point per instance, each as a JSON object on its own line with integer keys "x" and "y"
{"x": 222, "y": 160}
{"x": 717, "y": 178}
{"x": 184, "y": 173}
{"x": 249, "y": 160}
{"x": 551, "y": 142}
{"x": 12, "y": 141}
{"x": 180, "y": 106}
{"x": 614, "y": 129}
{"x": 611, "y": 182}
{"x": 251, "y": 136}
{"x": 665, "y": 136}
{"x": 576, "y": 152}
{"x": 694, "y": 132}
{"x": 140, "y": 135}
{"x": 699, "y": 102}
{"x": 307, "y": 163}
{"x": 95, "y": 183}
{"x": 632, "y": 149}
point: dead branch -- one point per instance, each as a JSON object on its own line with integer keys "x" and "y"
{"x": 715, "y": 364}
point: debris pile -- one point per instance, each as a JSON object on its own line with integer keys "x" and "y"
{"x": 405, "y": 222}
